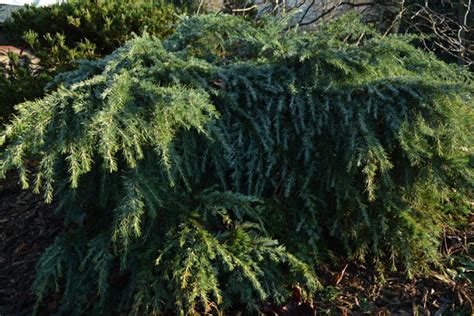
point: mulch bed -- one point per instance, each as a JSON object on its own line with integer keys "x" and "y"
{"x": 359, "y": 294}
{"x": 28, "y": 227}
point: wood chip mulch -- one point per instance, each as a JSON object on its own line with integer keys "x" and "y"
{"x": 27, "y": 228}
{"x": 358, "y": 293}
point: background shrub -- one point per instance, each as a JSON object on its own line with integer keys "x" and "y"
{"x": 212, "y": 170}
{"x": 19, "y": 82}
{"x": 61, "y": 34}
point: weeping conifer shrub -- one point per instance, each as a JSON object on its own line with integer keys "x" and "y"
{"x": 213, "y": 170}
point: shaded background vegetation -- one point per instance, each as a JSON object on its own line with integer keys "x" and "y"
{"x": 60, "y": 35}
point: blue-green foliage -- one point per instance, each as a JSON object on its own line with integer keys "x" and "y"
{"x": 182, "y": 162}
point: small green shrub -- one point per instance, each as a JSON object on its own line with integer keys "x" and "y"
{"x": 61, "y": 34}
{"x": 212, "y": 170}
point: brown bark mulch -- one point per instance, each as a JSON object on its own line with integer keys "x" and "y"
{"x": 27, "y": 228}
